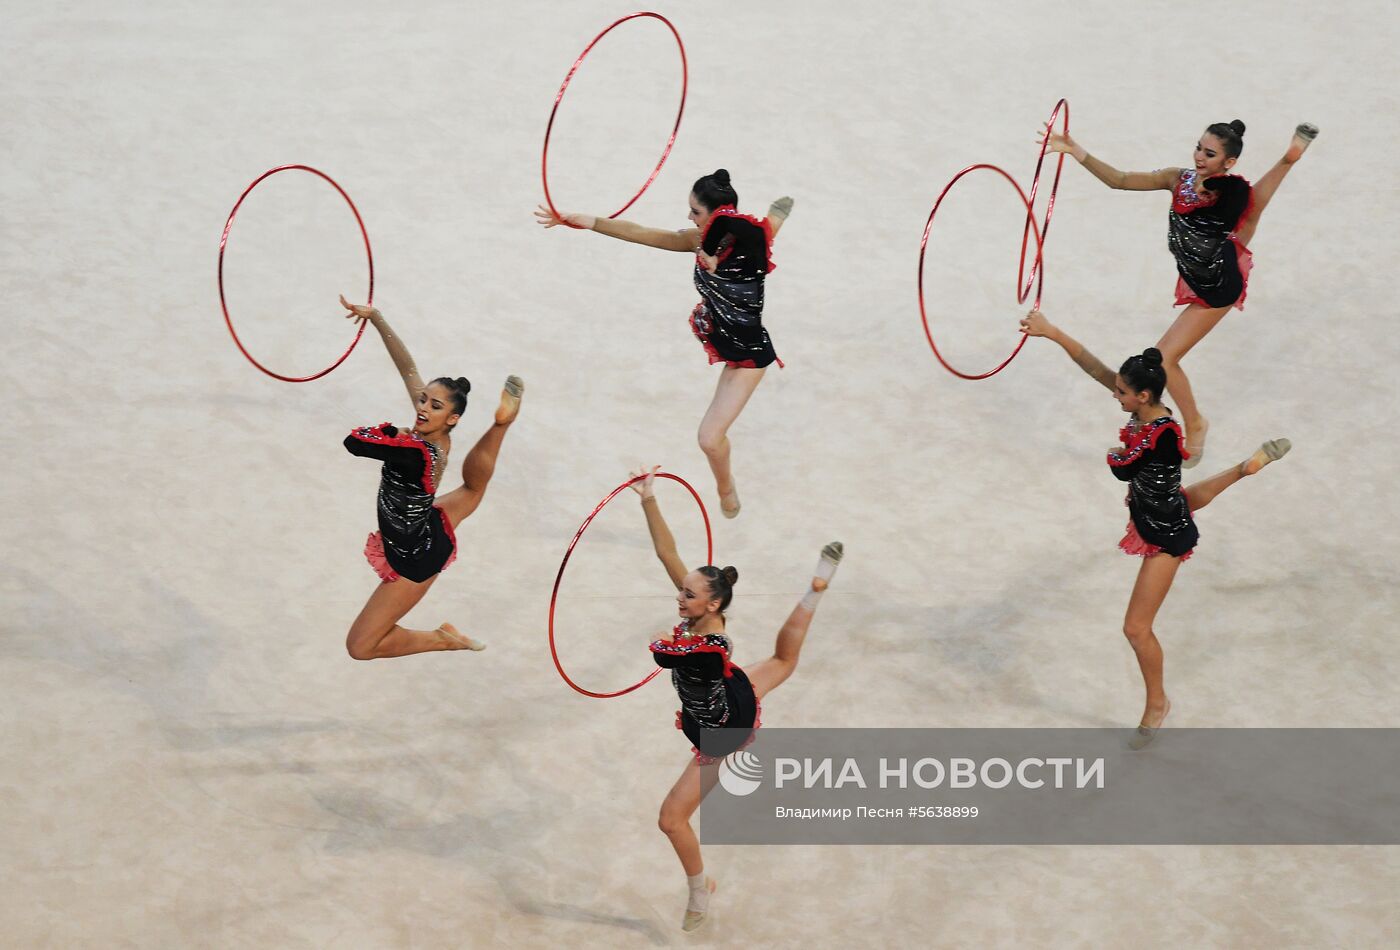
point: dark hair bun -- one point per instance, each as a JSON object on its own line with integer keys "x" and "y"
{"x": 731, "y": 574}
{"x": 721, "y": 177}
{"x": 463, "y": 384}
{"x": 1238, "y": 127}
{"x": 1152, "y": 355}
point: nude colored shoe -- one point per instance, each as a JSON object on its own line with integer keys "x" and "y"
{"x": 510, "y": 400}
{"x": 1270, "y": 451}
{"x": 695, "y": 919}
{"x": 462, "y": 641}
{"x": 1303, "y": 136}
{"x": 729, "y": 503}
{"x": 1145, "y": 733}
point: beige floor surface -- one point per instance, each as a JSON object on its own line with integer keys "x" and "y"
{"x": 190, "y": 758}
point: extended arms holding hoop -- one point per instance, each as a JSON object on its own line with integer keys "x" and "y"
{"x": 687, "y": 240}
{"x": 1035, "y": 324}
{"x": 684, "y": 240}
{"x": 661, "y": 538}
{"x": 1162, "y": 178}
{"x": 403, "y": 361}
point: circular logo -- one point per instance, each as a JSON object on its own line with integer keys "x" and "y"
{"x": 741, "y": 773}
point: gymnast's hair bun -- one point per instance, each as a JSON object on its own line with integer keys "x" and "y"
{"x": 731, "y": 573}
{"x": 721, "y": 175}
{"x": 463, "y": 384}
{"x": 1152, "y": 356}
{"x": 1237, "y": 127}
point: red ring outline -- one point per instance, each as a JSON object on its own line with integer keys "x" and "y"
{"x": 685, "y": 85}
{"x": 923, "y": 247}
{"x": 554, "y": 597}
{"x": 223, "y": 242}
{"x": 1022, "y": 292}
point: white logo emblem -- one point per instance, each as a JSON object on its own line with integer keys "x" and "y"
{"x": 740, "y": 773}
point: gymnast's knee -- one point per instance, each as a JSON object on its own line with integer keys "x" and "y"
{"x": 1137, "y": 632}
{"x": 711, "y": 441}
{"x": 358, "y": 649}
{"x": 671, "y": 821}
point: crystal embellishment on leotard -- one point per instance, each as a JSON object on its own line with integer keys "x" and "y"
{"x": 703, "y": 697}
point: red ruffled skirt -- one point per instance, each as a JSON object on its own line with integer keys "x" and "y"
{"x": 374, "y": 553}
{"x": 1134, "y": 544}
{"x": 1185, "y": 295}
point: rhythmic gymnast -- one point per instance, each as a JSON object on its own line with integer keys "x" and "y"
{"x": 416, "y": 539}
{"x": 716, "y": 696}
{"x": 733, "y": 257}
{"x": 1212, "y": 220}
{"x": 1161, "y": 529}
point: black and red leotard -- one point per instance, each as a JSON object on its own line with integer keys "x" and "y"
{"x": 415, "y": 538}
{"x": 719, "y": 711}
{"x": 1160, "y": 517}
{"x": 1212, "y": 265}
{"x": 728, "y": 320}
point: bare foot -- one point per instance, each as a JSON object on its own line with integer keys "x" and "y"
{"x": 510, "y": 400}
{"x": 456, "y": 640}
{"x": 1270, "y": 451}
{"x": 1196, "y": 442}
{"x": 1302, "y": 137}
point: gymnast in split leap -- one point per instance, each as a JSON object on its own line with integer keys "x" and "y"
{"x": 416, "y": 539}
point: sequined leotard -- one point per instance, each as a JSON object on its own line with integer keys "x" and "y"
{"x": 415, "y": 538}
{"x": 1212, "y": 264}
{"x": 718, "y": 705}
{"x": 1160, "y": 516}
{"x": 728, "y": 321}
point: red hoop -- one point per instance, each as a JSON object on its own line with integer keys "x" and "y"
{"x": 923, "y": 247}
{"x": 685, "y": 83}
{"x": 554, "y": 597}
{"x": 1022, "y": 292}
{"x": 223, "y": 242}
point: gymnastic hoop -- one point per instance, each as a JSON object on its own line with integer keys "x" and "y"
{"x": 558, "y": 578}
{"x": 223, "y": 243}
{"x": 1024, "y": 291}
{"x": 923, "y": 248}
{"x": 685, "y": 84}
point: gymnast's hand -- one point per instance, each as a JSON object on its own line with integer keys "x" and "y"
{"x": 706, "y": 261}
{"x": 359, "y": 312}
{"x": 549, "y": 219}
{"x": 1061, "y": 143}
{"x": 646, "y": 488}
{"x": 1035, "y": 324}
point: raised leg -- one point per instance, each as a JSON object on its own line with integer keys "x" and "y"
{"x": 1188, "y": 329}
{"x": 736, "y": 384}
{"x": 766, "y": 675}
{"x": 1153, "y": 581}
{"x": 376, "y": 633}
{"x": 1204, "y": 492}
{"x": 1265, "y": 187}
{"x": 480, "y": 463}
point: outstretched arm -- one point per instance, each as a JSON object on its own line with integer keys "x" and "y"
{"x": 1162, "y": 178}
{"x": 403, "y": 361}
{"x": 1035, "y": 324}
{"x": 661, "y": 538}
{"x": 686, "y": 240}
